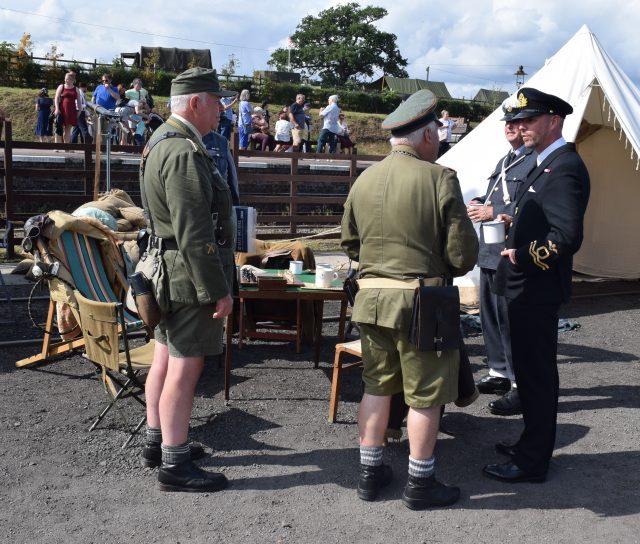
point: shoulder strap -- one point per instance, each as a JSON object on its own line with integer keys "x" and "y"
{"x": 145, "y": 153}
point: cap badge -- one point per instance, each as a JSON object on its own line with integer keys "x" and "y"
{"x": 522, "y": 101}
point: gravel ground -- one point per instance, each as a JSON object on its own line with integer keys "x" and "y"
{"x": 293, "y": 475}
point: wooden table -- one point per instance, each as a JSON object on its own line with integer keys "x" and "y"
{"x": 297, "y": 294}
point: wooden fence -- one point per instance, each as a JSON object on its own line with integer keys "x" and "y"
{"x": 290, "y": 196}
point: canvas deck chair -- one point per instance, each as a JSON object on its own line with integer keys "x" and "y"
{"x": 72, "y": 251}
{"x": 104, "y": 329}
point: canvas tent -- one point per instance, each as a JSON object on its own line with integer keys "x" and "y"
{"x": 403, "y": 85}
{"x": 171, "y": 58}
{"x": 605, "y": 125}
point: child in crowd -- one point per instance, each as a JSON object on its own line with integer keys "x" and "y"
{"x": 283, "y": 132}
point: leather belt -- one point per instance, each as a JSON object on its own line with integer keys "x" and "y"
{"x": 388, "y": 283}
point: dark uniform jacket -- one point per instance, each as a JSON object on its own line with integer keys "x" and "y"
{"x": 183, "y": 189}
{"x": 547, "y": 230}
{"x": 405, "y": 218}
{"x": 516, "y": 173}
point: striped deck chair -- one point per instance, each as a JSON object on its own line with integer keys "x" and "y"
{"x": 81, "y": 267}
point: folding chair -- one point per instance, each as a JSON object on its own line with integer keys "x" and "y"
{"x": 81, "y": 267}
{"x": 351, "y": 348}
{"x": 103, "y": 326}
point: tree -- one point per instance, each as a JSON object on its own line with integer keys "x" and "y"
{"x": 25, "y": 45}
{"x": 342, "y": 44}
{"x": 54, "y": 55}
{"x": 231, "y": 67}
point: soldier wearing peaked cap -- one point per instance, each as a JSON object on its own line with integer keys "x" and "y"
{"x": 188, "y": 207}
{"x": 405, "y": 219}
{"x": 509, "y": 173}
{"x": 534, "y": 276}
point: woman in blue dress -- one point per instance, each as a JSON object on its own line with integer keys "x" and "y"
{"x": 43, "y": 108}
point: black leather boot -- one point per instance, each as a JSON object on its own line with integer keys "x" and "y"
{"x": 372, "y": 479}
{"x": 152, "y": 454}
{"x": 188, "y": 477}
{"x": 422, "y": 493}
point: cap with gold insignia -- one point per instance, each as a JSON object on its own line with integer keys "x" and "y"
{"x": 198, "y": 80}
{"x": 532, "y": 102}
{"x": 509, "y": 108}
{"x": 416, "y": 111}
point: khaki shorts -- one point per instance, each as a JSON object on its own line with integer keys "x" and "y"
{"x": 391, "y": 364}
{"x": 190, "y": 331}
{"x": 296, "y": 135}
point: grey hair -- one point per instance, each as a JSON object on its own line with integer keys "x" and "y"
{"x": 414, "y": 137}
{"x": 334, "y": 98}
{"x": 181, "y": 101}
{"x": 245, "y": 94}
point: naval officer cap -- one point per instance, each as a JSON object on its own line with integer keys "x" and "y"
{"x": 416, "y": 111}
{"x": 532, "y": 102}
{"x": 198, "y": 80}
{"x": 509, "y": 109}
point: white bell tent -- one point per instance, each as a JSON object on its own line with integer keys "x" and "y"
{"x": 605, "y": 125}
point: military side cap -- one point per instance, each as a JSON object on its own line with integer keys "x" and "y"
{"x": 197, "y": 80}
{"x": 532, "y": 102}
{"x": 509, "y": 108}
{"x": 416, "y": 111}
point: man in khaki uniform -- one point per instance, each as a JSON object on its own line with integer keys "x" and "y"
{"x": 188, "y": 207}
{"x": 405, "y": 218}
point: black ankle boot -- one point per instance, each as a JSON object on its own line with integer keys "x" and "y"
{"x": 372, "y": 478}
{"x": 188, "y": 477}
{"x": 152, "y": 454}
{"x": 421, "y": 493}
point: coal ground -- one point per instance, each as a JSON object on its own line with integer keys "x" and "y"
{"x": 293, "y": 475}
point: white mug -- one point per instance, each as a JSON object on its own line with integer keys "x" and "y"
{"x": 494, "y": 232}
{"x": 295, "y": 267}
{"x": 324, "y": 265}
{"x": 324, "y": 277}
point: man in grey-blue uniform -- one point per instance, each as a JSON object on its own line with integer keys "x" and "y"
{"x": 511, "y": 170}
{"x": 188, "y": 206}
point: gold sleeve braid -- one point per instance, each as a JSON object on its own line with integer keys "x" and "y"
{"x": 541, "y": 253}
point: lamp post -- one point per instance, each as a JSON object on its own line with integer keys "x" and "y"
{"x": 520, "y": 73}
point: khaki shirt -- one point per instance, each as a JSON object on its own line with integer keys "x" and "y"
{"x": 183, "y": 189}
{"x": 405, "y": 218}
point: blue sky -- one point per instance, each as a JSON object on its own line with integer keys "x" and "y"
{"x": 468, "y": 44}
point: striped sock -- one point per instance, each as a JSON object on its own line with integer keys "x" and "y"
{"x": 371, "y": 456}
{"x": 174, "y": 455}
{"x": 154, "y": 436}
{"x": 422, "y": 468}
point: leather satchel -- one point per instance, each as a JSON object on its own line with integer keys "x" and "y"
{"x": 435, "y": 322}
{"x": 147, "y": 286}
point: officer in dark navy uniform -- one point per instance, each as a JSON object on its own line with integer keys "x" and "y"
{"x": 511, "y": 170}
{"x": 535, "y": 277}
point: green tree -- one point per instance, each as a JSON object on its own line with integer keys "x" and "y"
{"x": 342, "y": 44}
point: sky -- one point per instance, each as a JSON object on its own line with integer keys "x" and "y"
{"x": 468, "y": 44}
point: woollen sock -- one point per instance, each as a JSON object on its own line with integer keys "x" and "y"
{"x": 422, "y": 468}
{"x": 371, "y": 456}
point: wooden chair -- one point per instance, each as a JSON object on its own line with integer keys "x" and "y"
{"x": 351, "y": 348}
{"x": 104, "y": 328}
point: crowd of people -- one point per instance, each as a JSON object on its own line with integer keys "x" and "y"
{"x": 291, "y": 130}
{"x": 66, "y": 118}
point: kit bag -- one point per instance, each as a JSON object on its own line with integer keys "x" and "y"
{"x": 435, "y": 322}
